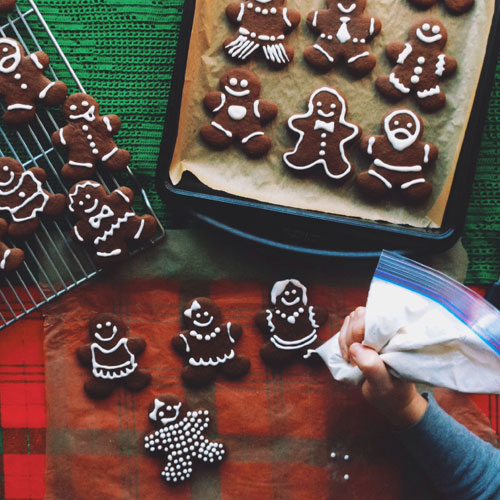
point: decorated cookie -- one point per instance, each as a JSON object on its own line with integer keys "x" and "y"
{"x": 107, "y": 221}
{"x": 89, "y": 139}
{"x": 23, "y": 83}
{"x": 454, "y": 6}
{"x": 290, "y": 325}
{"x": 207, "y": 345}
{"x": 399, "y": 158}
{"x": 239, "y": 114}
{"x": 23, "y": 197}
{"x": 10, "y": 258}
{"x": 344, "y": 32}
{"x": 324, "y": 133}
{"x": 180, "y": 438}
{"x": 420, "y": 65}
{"x": 7, "y": 5}
{"x": 263, "y": 25}
{"x": 112, "y": 356}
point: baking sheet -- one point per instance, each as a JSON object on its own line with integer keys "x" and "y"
{"x": 267, "y": 179}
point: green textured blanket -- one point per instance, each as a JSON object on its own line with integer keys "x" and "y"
{"x": 123, "y": 52}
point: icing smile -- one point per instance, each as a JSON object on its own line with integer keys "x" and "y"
{"x": 9, "y": 181}
{"x": 325, "y": 115}
{"x": 428, "y": 39}
{"x": 89, "y": 115}
{"x": 263, "y": 1}
{"x": 92, "y": 208}
{"x": 166, "y": 420}
{"x": 235, "y": 93}
{"x": 292, "y": 303}
{"x": 346, "y": 10}
{"x": 106, "y": 339}
{"x": 201, "y": 325}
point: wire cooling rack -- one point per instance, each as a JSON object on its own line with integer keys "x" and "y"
{"x": 53, "y": 264}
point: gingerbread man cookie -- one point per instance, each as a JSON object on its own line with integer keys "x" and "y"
{"x": 23, "y": 197}
{"x": 22, "y": 82}
{"x": 263, "y": 25}
{"x": 107, "y": 221}
{"x": 207, "y": 344}
{"x": 454, "y": 6}
{"x": 324, "y": 134}
{"x": 112, "y": 356}
{"x": 180, "y": 438}
{"x": 420, "y": 65}
{"x": 240, "y": 114}
{"x": 291, "y": 325}
{"x": 89, "y": 139}
{"x": 399, "y": 158}
{"x": 344, "y": 32}
{"x": 10, "y": 258}
{"x": 7, "y": 5}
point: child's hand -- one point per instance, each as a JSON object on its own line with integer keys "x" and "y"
{"x": 397, "y": 399}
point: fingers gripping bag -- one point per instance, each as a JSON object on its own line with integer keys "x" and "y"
{"x": 427, "y": 328}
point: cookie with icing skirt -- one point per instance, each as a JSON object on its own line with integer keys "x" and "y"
{"x": 263, "y": 26}
{"x": 454, "y": 6}
{"x": 88, "y": 136}
{"x": 107, "y": 220}
{"x": 290, "y": 325}
{"x": 7, "y": 5}
{"x": 420, "y": 64}
{"x": 399, "y": 158}
{"x": 344, "y": 32}
{"x": 324, "y": 135}
{"x": 239, "y": 114}
{"x": 208, "y": 345}
{"x": 112, "y": 357}
{"x": 22, "y": 196}
{"x": 10, "y": 258}
{"x": 180, "y": 438}
{"x": 23, "y": 83}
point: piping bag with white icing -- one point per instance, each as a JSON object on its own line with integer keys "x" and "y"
{"x": 427, "y": 328}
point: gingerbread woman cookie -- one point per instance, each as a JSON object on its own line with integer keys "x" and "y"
{"x": 180, "y": 438}
{"x": 10, "y": 258}
{"x": 112, "y": 356}
{"x": 240, "y": 114}
{"x": 420, "y": 65}
{"x": 324, "y": 134}
{"x": 7, "y": 5}
{"x": 22, "y": 82}
{"x": 399, "y": 158}
{"x": 344, "y": 32}
{"x": 23, "y": 197}
{"x": 89, "y": 139}
{"x": 263, "y": 25}
{"x": 207, "y": 344}
{"x": 454, "y": 6}
{"x": 291, "y": 325}
{"x": 107, "y": 221}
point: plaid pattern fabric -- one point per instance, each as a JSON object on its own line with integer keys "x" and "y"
{"x": 279, "y": 427}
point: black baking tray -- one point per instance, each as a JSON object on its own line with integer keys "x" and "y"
{"x": 312, "y": 232}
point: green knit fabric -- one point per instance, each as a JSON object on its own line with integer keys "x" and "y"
{"x": 123, "y": 52}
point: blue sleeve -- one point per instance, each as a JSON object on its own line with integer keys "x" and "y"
{"x": 461, "y": 465}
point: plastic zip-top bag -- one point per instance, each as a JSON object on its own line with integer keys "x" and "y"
{"x": 427, "y": 328}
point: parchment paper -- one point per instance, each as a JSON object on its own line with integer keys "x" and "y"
{"x": 267, "y": 179}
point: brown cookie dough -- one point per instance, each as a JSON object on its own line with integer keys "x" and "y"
{"x": 7, "y": 5}
{"x": 454, "y": 6}
{"x": 344, "y": 32}
{"x": 23, "y": 83}
{"x": 207, "y": 345}
{"x": 239, "y": 114}
{"x": 263, "y": 24}
{"x": 23, "y": 197}
{"x": 10, "y": 258}
{"x": 420, "y": 66}
{"x": 180, "y": 438}
{"x": 112, "y": 356}
{"x": 324, "y": 134}
{"x": 291, "y": 324}
{"x": 399, "y": 158}
{"x": 107, "y": 221}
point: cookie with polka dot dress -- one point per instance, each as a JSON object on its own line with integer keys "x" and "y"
{"x": 88, "y": 136}
{"x": 23, "y": 83}
{"x": 180, "y": 438}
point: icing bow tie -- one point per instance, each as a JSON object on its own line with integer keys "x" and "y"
{"x": 105, "y": 212}
{"x": 321, "y": 125}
